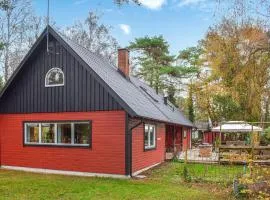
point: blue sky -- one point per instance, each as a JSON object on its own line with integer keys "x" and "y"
{"x": 181, "y": 22}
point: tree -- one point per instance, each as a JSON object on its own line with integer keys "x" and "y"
{"x": 94, "y": 36}
{"x": 250, "y": 8}
{"x": 238, "y": 62}
{"x": 190, "y": 103}
{"x": 37, "y": 25}
{"x": 15, "y": 23}
{"x": 120, "y": 2}
{"x": 157, "y": 66}
{"x": 190, "y": 59}
{"x": 154, "y": 55}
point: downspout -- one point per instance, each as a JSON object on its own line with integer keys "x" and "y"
{"x": 128, "y": 148}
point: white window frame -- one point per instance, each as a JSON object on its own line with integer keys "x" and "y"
{"x": 25, "y": 131}
{"x": 149, "y": 146}
{"x": 55, "y": 143}
{"x": 54, "y": 85}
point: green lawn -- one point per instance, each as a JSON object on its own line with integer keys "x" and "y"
{"x": 164, "y": 182}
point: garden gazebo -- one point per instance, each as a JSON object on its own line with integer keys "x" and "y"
{"x": 235, "y": 132}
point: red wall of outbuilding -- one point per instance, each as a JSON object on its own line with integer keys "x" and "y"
{"x": 211, "y": 137}
{"x": 107, "y": 154}
{"x": 187, "y": 140}
{"x": 144, "y": 158}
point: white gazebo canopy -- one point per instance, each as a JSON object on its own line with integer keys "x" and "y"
{"x": 236, "y": 126}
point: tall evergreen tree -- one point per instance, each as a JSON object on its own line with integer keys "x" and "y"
{"x": 157, "y": 66}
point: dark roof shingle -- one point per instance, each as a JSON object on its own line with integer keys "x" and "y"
{"x": 130, "y": 91}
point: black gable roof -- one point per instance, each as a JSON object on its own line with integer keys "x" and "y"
{"x": 130, "y": 94}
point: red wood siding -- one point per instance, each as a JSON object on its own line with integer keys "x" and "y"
{"x": 107, "y": 154}
{"x": 187, "y": 140}
{"x": 142, "y": 159}
{"x": 211, "y": 137}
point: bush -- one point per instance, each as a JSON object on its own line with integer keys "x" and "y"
{"x": 256, "y": 184}
{"x": 186, "y": 176}
{"x": 265, "y": 137}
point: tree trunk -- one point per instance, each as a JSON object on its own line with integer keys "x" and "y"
{"x": 6, "y": 75}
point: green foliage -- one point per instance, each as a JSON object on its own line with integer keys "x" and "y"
{"x": 239, "y": 190}
{"x": 225, "y": 107}
{"x": 171, "y": 90}
{"x": 186, "y": 176}
{"x": 191, "y": 115}
{"x": 154, "y": 56}
{"x": 237, "y": 83}
{"x": 155, "y": 47}
{"x": 156, "y": 65}
{"x": 179, "y": 71}
{"x": 265, "y": 137}
{"x": 190, "y": 62}
{"x": 191, "y": 56}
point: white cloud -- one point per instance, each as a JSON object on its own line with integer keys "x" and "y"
{"x": 189, "y": 2}
{"x": 153, "y": 4}
{"x": 125, "y": 28}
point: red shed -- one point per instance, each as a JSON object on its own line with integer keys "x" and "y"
{"x": 66, "y": 110}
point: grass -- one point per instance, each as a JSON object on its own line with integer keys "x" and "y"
{"x": 164, "y": 182}
{"x": 204, "y": 173}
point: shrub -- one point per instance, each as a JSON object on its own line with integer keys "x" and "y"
{"x": 256, "y": 184}
{"x": 186, "y": 175}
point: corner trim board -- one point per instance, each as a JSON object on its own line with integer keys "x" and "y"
{"x": 62, "y": 172}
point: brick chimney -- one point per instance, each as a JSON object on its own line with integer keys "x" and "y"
{"x": 123, "y": 61}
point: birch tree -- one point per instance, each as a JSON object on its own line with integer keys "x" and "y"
{"x": 121, "y": 2}
{"x": 94, "y": 36}
{"x": 15, "y": 24}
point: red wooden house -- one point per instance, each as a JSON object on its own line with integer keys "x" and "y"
{"x": 69, "y": 111}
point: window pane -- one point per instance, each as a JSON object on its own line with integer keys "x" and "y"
{"x": 64, "y": 133}
{"x": 146, "y": 136}
{"x": 152, "y": 137}
{"x": 54, "y": 77}
{"x": 81, "y": 133}
{"x": 32, "y": 133}
{"x": 47, "y": 133}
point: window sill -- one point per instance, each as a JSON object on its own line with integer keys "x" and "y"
{"x": 150, "y": 148}
{"x": 58, "y": 145}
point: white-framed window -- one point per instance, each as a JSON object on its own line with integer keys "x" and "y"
{"x": 58, "y": 133}
{"x": 149, "y": 136}
{"x": 54, "y": 77}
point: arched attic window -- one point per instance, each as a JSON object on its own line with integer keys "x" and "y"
{"x": 54, "y": 77}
